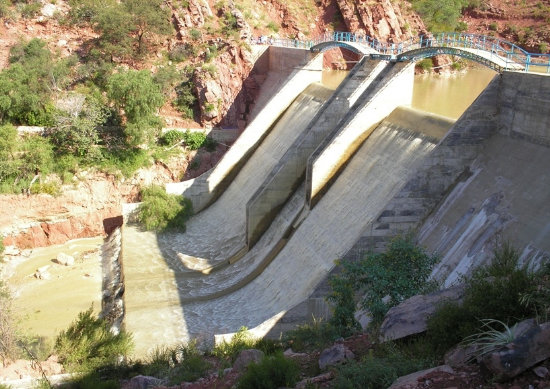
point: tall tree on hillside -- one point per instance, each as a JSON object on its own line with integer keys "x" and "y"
{"x": 149, "y": 17}
{"x": 139, "y": 97}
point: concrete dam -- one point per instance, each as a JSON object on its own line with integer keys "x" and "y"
{"x": 320, "y": 175}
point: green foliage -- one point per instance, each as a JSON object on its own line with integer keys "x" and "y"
{"x": 271, "y": 372}
{"x": 183, "y": 52}
{"x": 195, "y": 34}
{"x": 51, "y": 188}
{"x": 125, "y": 160}
{"x": 37, "y": 155}
{"x": 31, "y": 9}
{"x": 313, "y": 336}
{"x": 440, "y": 15}
{"x": 76, "y": 129}
{"x": 383, "y": 279}
{"x": 489, "y": 338}
{"x": 186, "y": 99}
{"x": 172, "y": 137}
{"x": 230, "y": 25}
{"x": 228, "y": 351}
{"x": 493, "y": 26}
{"x": 88, "y": 344}
{"x": 195, "y": 140}
{"x": 377, "y": 372}
{"x": 493, "y": 292}
{"x": 167, "y": 77}
{"x": 161, "y": 211}
{"x": 136, "y": 93}
{"x": 4, "y": 8}
{"x": 148, "y": 17}
{"x": 8, "y": 330}
{"x": 425, "y": 64}
{"x": 211, "y": 53}
{"x": 26, "y": 85}
{"x": 273, "y": 26}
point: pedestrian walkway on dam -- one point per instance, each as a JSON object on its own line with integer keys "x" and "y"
{"x": 494, "y": 53}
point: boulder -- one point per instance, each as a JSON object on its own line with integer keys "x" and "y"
{"x": 335, "y": 355}
{"x": 142, "y": 382}
{"x": 64, "y": 259}
{"x": 528, "y": 349}
{"x": 410, "y": 317}
{"x": 459, "y": 355}
{"x": 246, "y": 357}
{"x": 411, "y": 380}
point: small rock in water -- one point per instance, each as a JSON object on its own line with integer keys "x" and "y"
{"x": 65, "y": 259}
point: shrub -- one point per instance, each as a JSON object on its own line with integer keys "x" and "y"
{"x": 30, "y": 10}
{"x": 162, "y": 211}
{"x": 271, "y": 372}
{"x": 51, "y": 188}
{"x": 8, "y": 331}
{"x": 88, "y": 344}
{"x": 493, "y": 26}
{"x": 242, "y": 340}
{"x": 172, "y": 137}
{"x": 195, "y": 34}
{"x": 377, "y": 372}
{"x": 186, "y": 99}
{"x": 493, "y": 292}
{"x": 313, "y": 336}
{"x": 383, "y": 279}
{"x": 426, "y": 64}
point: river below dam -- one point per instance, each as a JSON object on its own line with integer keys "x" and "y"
{"x": 48, "y": 306}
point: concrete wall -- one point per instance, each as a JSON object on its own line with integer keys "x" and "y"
{"x": 487, "y": 180}
{"x": 391, "y": 88}
{"x": 205, "y": 189}
{"x": 289, "y": 172}
{"x": 525, "y": 106}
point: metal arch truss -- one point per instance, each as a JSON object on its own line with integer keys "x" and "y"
{"x": 426, "y": 52}
{"x": 322, "y": 47}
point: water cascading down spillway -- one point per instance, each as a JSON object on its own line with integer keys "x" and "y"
{"x": 170, "y": 299}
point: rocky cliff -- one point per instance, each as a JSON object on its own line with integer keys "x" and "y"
{"x": 381, "y": 19}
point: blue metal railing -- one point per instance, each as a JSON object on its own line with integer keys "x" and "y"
{"x": 506, "y": 55}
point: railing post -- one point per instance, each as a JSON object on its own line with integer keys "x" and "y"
{"x": 527, "y": 62}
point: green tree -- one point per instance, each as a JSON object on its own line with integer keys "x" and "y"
{"x": 76, "y": 126}
{"x": 148, "y": 17}
{"x": 440, "y": 15}
{"x": 27, "y": 84}
{"x": 136, "y": 93}
{"x": 8, "y": 147}
{"x": 115, "y": 26}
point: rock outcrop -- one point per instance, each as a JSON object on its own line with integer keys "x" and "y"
{"x": 335, "y": 355}
{"x": 410, "y": 317}
{"x": 223, "y": 94}
{"x": 532, "y": 347}
{"x": 380, "y": 19}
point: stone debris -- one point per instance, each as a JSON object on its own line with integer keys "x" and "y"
{"x": 335, "y": 355}
{"x": 246, "y": 357}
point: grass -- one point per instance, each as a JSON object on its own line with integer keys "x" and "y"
{"x": 489, "y": 339}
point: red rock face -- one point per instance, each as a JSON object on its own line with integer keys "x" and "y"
{"x": 93, "y": 224}
{"x": 380, "y": 19}
{"x": 224, "y": 96}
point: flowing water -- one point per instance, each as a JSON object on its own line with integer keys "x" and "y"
{"x": 164, "y": 312}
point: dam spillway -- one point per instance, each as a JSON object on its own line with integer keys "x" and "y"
{"x": 300, "y": 247}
